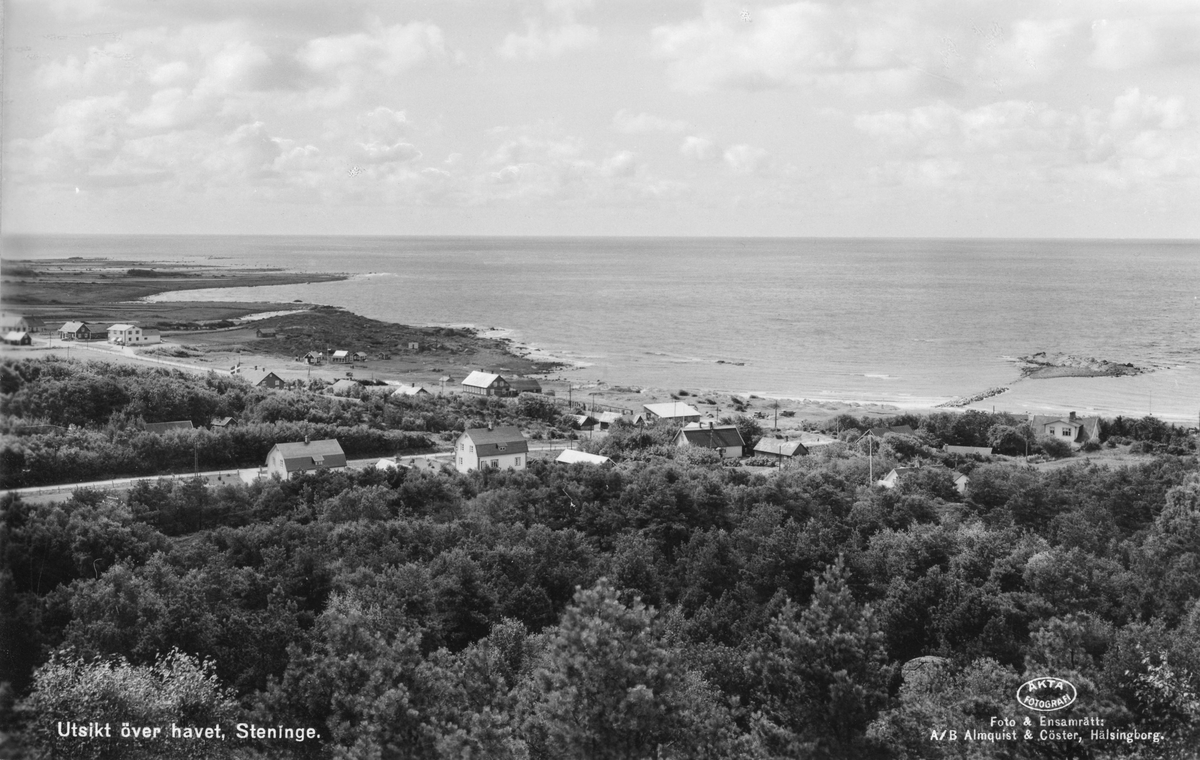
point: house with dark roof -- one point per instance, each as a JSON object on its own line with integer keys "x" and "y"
{"x": 159, "y": 428}
{"x": 81, "y": 331}
{"x": 524, "y": 385}
{"x": 480, "y": 383}
{"x": 410, "y": 391}
{"x": 266, "y": 332}
{"x": 491, "y": 448}
{"x": 261, "y": 378}
{"x": 220, "y": 422}
{"x": 724, "y": 439}
{"x": 289, "y": 459}
{"x": 675, "y": 411}
{"x": 1073, "y": 429}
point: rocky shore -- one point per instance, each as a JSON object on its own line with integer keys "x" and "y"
{"x": 1042, "y": 366}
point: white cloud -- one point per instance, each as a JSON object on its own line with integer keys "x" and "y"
{"x": 1157, "y": 40}
{"x": 539, "y": 44}
{"x": 745, "y": 159}
{"x": 1140, "y": 138}
{"x": 643, "y": 123}
{"x": 794, "y": 44}
{"x": 697, "y": 148}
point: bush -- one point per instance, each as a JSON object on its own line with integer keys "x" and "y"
{"x": 1091, "y": 446}
{"x": 1054, "y": 447}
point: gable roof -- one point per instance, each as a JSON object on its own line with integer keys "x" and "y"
{"x": 880, "y": 432}
{"x": 343, "y": 385}
{"x": 121, "y": 327}
{"x": 811, "y": 440}
{"x": 340, "y": 354}
{"x": 672, "y": 410}
{"x": 780, "y": 447}
{"x": 72, "y": 327}
{"x": 525, "y": 384}
{"x": 221, "y": 421}
{"x": 257, "y": 376}
{"x": 410, "y": 390}
{"x": 479, "y": 379}
{"x": 1085, "y": 427}
{"x": 488, "y": 442}
{"x": 311, "y": 455}
{"x": 574, "y": 456}
{"x": 158, "y": 428}
{"x": 712, "y": 436}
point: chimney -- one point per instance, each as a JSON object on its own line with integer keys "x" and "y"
{"x": 1072, "y": 418}
{"x": 306, "y": 439}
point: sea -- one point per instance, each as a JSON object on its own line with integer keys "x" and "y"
{"x": 904, "y": 321}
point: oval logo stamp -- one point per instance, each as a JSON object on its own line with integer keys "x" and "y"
{"x": 1046, "y": 694}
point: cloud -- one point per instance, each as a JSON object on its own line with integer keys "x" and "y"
{"x": 370, "y": 60}
{"x": 697, "y": 148}
{"x": 1139, "y": 139}
{"x": 644, "y": 123}
{"x": 802, "y": 43}
{"x": 562, "y": 35}
{"x": 539, "y": 44}
{"x": 1157, "y": 40}
{"x": 744, "y": 159}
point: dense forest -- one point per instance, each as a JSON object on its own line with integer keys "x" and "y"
{"x": 668, "y": 607}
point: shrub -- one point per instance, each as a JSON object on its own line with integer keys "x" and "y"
{"x": 1054, "y": 447}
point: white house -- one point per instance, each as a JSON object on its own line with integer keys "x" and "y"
{"x": 724, "y": 439}
{"x": 674, "y": 411}
{"x": 288, "y": 459}
{"x": 1072, "y": 429}
{"x": 893, "y": 478}
{"x": 491, "y": 448}
{"x": 132, "y": 335}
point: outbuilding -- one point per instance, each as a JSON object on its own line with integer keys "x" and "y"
{"x": 480, "y": 383}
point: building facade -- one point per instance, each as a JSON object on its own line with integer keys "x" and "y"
{"x": 498, "y": 448}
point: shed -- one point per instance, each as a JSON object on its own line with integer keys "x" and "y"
{"x": 524, "y": 385}
{"x": 17, "y": 338}
{"x": 574, "y": 456}
{"x": 340, "y": 357}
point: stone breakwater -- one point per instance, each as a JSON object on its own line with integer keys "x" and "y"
{"x": 961, "y": 402}
{"x": 1041, "y": 366}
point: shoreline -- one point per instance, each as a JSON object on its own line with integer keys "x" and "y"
{"x": 1050, "y": 392}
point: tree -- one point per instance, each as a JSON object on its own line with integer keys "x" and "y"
{"x": 609, "y": 685}
{"x": 822, "y": 674}
{"x": 177, "y": 689}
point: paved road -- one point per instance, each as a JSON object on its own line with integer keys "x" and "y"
{"x": 433, "y": 461}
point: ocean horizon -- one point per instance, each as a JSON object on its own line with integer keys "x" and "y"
{"x": 905, "y": 321}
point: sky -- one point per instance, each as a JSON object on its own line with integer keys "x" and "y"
{"x": 927, "y": 118}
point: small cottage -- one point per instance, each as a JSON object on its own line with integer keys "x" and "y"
{"x": 724, "y": 439}
{"x": 675, "y": 411}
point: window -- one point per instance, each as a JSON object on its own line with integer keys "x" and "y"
{"x": 502, "y": 446}
{"x": 472, "y": 449}
{"x": 460, "y": 460}
{"x": 517, "y": 462}
{"x": 495, "y": 464}
{"x": 1066, "y": 432}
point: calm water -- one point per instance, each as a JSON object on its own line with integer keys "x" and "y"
{"x": 864, "y": 319}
